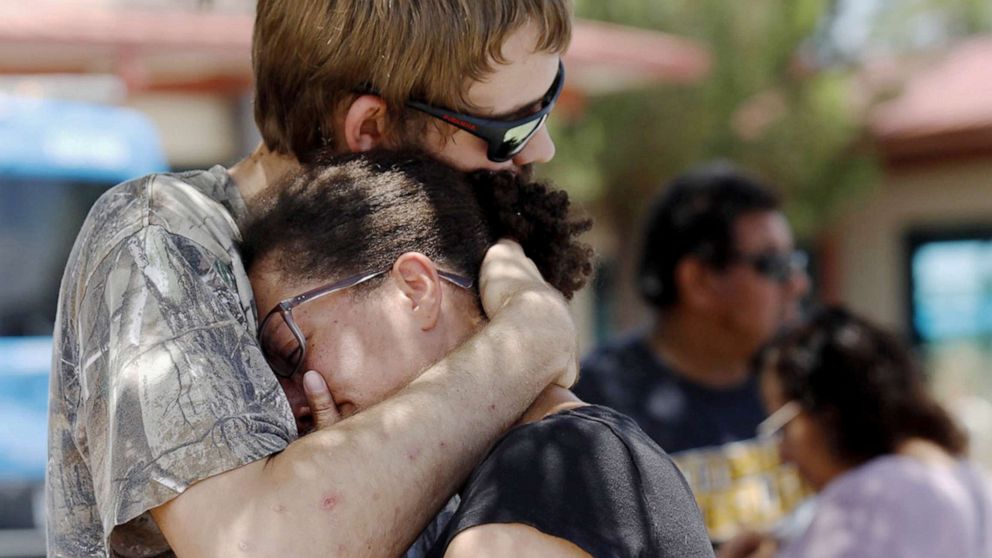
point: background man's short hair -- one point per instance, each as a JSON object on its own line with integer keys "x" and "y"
{"x": 310, "y": 57}
{"x": 695, "y": 215}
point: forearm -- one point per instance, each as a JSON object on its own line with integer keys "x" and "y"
{"x": 367, "y": 485}
{"x": 496, "y": 540}
{"x": 394, "y": 464}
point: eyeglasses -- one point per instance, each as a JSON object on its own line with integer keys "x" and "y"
{"x": 779, "y": 267}
{"x": 283, "y": 343}
{"x": 505, "y": 138}
{"x": 771, "y": 426}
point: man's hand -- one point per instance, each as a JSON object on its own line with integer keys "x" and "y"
{"x": 509, "y": 278}
{"x": 507, "y": 271}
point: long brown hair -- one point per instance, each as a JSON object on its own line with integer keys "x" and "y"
{"x": 863, "y": 386}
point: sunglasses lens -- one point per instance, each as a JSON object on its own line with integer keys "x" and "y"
{"x": 515, "y": 139}
{"x": 280, "y": 346}
{"x": 780, "y": 267}
{"x": 774, "y": 267}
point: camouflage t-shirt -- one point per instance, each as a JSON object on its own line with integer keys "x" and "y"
{"x": 157, "y": 378}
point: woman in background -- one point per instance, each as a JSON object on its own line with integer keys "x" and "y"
{"x": 853, "y": 413}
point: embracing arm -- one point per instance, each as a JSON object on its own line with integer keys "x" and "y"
{"x": 497, "y": 540}
{"x": 366, "y": 485}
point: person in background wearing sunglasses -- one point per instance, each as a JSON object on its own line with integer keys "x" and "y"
{"x": 385, "y": 285}
{"x": 168, "y": 431}
{"x": 721, "y": 275}
{"x": 850, "y": 407}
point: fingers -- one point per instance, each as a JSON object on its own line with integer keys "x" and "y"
{"x": 322, "y": 407}
{"x": 506, "y": 271}
{"x": 507, "y": 274}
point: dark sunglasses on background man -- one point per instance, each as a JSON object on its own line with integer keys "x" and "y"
{"x": 505, "y": 138}
{"x": 780, "y": 267}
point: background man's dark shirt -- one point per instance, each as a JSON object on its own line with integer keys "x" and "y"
{"x": 738, "y": 480}
{"x": 677, "y": 413}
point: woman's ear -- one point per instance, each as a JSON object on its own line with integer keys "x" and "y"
{"x": 364, "y": 124}
{"x": 418, "y": 281}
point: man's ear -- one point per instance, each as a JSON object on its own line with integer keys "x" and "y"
{"x": 695, "y": 285}
{"x": 364, "y": 126}
{"x": 418, "y": 281}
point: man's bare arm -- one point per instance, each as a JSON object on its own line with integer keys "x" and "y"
{"x": 368, "y": 484}
{"x": 497, "y": 540}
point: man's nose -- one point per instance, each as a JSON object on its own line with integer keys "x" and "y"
{"x": 540, "y": 149}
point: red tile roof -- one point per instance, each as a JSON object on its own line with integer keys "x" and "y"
{"x": 944, "y": 107}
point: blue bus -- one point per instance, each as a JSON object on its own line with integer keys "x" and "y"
{"x": 56, "y": 158}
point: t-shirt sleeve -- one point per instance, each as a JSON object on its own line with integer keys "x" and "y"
{"x": 577, "y": 480}
{"x": 174, "y": 388}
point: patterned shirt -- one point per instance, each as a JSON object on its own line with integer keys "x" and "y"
{"x": 157, "y": 378}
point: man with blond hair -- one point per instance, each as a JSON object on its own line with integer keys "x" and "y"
{"x": 169, "y": 434}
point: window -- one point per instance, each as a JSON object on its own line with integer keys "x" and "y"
{"x": 951, "y": 286}
{"x": 950, "y": 315}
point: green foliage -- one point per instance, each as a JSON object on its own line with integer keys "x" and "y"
{"x": 758, "y": 107}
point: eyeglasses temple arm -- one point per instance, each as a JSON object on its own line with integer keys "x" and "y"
{"x": 778, "y": 419}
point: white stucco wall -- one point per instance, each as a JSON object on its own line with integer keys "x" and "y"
{"x": 871, "y": 234}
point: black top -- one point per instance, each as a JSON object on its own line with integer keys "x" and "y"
{"x": 738, "y": 478}
{"x": 590, "y": 476}
{"x": 677, "y": 413}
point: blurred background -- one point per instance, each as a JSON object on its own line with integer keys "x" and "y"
{"x": 873, "y": 118}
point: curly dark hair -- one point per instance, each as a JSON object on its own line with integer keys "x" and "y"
{"x": 861, "y": 384}
{"x": 349, "y": 214}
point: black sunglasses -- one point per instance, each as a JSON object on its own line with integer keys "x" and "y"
{"x": 505, "y": 138}
{"x": 777, "y": 266}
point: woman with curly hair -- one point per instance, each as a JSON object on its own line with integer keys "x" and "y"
{"x": 369, "y": 265}
{"x": 852, "y": 410}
